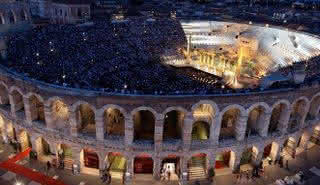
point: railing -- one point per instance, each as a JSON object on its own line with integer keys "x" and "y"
{"x": 172, "y": 144}
{"x": 143, "y": 144}
{"x": 200, "y": 144}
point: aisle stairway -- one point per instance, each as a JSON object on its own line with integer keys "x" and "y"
{"x": 116, "y": 177}
{"x": 197, "y": 169}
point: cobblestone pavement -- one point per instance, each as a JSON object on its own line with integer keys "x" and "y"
{"x": 304, "y": 162}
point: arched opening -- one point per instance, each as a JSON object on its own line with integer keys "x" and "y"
{"x": 4, "y": 97}
{"x": 43, "y": 149}
{"x": 200, "y": 130}
{"x": 197, "y": 166}
{"x": 296, "y": 116}
{"x": 86, "y": 119}
{"x": 315, "y": 137}
{"x": 18, "y": 104}
{"x": 289, "y": 148}
{"x": 278, "y": 114}
{"x": 60, "y": 115}
{"x": 249, "y": 158}
{"x": 173, "y": 126}
{"x": 23, "y": 15}
{"x": 170, "y": 168}
{"x": 224, "y": 163}
{"x": 144, "y": 126}
{"x": 90, "y": 159}
{"x": 114, "y": 123}
{"x": 255, "y": 121}
{"x": 229, "y": 121}
{"x": 314, "y": 110}
{"x": 25, "y": 141}
{"x": 143, "y": 164}
{"x": 12, "y": 18}
{"x": 37, "y": 110}
{"x": 204, "y": 112}
{"x": 64, "y": 153}
{"x": 270, "y": 153}
{"x": 116, "y": 163}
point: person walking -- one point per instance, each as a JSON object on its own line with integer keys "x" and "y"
{"x": 48, "y": 167}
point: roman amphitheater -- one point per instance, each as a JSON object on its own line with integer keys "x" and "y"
{"x": 133, "y": 132}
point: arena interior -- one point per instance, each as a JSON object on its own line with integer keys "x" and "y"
{"x": 140, "y": 94}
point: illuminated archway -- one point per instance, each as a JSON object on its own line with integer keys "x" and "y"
{"x": 229, "y": 120}
{"x": 143, "y": 164}
{"x": 255, "y": 121}
{"x": 197, "y": 166}
{"x": 200, "y": 130}
{"x": 296, "y": 116}
{"x": 60, "y": 114}
{"x": 90, "y": 158}
{"x": 37, "y": 110}
{"x": 114, "y": 123}
{"x": 173, "y": 125}
{"x": 85, "y": 116}
{"x": 278, "y": 113}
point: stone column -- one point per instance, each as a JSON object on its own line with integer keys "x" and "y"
{"x": 184, "y": 169}
{"x": 236, "y": 165}
{"x": 48, "y": 116}
{"x": 259, "y": 156}
{"x": 303, "y": 116}
{"x": 187, "y": 129}
{"x": 30, "y": 110}
{"x": 76, "y": 156}
{"x": 156, "y": 168}
{"x": 158, "y": 133}
{"x": 284, "y": 121}
{"x": 99, "y": 127}
{"x": 264, "y": 124}
{"x": 215, "y": 130}
{"x": 73, "y": 123}
{"x": 129, "y": 132}
{"x": 240, "y": 127}
{"x": 129, "y": 170}
{"x": 211, "y": 162}
{"x": 13, "y": 106}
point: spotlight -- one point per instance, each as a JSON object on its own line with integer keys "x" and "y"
{"x": 18, "y": 183}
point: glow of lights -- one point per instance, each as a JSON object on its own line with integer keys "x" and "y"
{"x": 63, "y": 76}
{"x": 37, "y": 54}
{"x": 267, "y": 25}
{"x": 125, "y": 86}
{"x": 250, "y": 22}
{"x": 18, "y": 183}
{"x": 51, "y": 50}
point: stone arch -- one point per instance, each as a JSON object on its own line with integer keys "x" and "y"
{"x": 289, "y": 147}
{"x": 113, "y": 106}
{"x": 36, "y": 108}
{"x": 249, "y": 155}
{"x": 231, "y": 122}
{"x": 314, "y": 110}
{"x": 85, "y": 118}
{"x": 4, "y": 94}
{"x": 200, "y": 130}
{"x": 25, "y": 140}
{"x": 42, "y": 148}
{"x": 279, "y": 113}
{"x": 114, "y": 122}
{"x": 299, "y": 110}
{"x": 89, "y": 158}
{"x": 214, "y": 107}
{"x": 116, "y": 162}
{"x": 173, "y": 123}
{"x": 197, "y": 162}
{"x": 143, "y": 163}
{"x": 17, "y": 101}
{"x": 144, "y": 119}
{"x": 12, "y": 17}
{"x": 271, "y": 150}
{"x": 59, "y": 112}
{"x": 225, "y": 159}
{"x": 257, "y": 115}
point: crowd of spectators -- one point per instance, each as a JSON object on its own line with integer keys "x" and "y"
{"x": 107, "y": 55}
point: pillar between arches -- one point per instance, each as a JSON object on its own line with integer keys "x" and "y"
{"x": 48, "y": 116}
{"x": 129, "y": 131}
{"x": 74, "y": 125}
{"x": 29, "y": 110}
{"x": 284, "y": 121}
{"x": 214, "y": 131}
{"x": 156, "y": 168}
{"x": 158, "y": 135}
{"x": 187, "y": 129}
{"x": 99, "y": 128}
{"x": 241, "y": 127}
{"x": 265, "y": 122}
